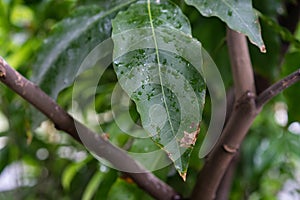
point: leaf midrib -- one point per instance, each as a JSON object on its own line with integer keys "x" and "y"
{"x": 159, "y": 66}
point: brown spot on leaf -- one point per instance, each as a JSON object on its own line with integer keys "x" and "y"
{"x": 189, "y": 139}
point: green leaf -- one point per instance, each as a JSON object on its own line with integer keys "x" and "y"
{"x": 122, "y": 189}
{"x": 238, "y": 15}
{"x": 159, "y": 65}
{"x": 71, "y": 41}
{"x": 4, "y": 158}
{"x": 70, "y": 172}
{"x": 106, "y": 183}
{"x": 92, "y": 187}
{"x": 63, "y": 52}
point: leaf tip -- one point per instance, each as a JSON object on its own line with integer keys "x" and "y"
{"x": 183, "y": 176}
{"x": 263, "y": 49}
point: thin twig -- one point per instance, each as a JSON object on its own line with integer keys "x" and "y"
{"x": 276, "y": 88}
{"x": 93, "y": 141}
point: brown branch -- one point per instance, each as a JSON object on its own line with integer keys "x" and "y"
{"x": 240, "y": 63}
{"x": 219, "y": 159}
{"x": 245, "y": 111}
{"x": 238, "y": 123}
{"x": 246, "y": 108}
{"x": 223, "y": 191}
{"x": 276, "y": 88}
{"x": 93, "y": 141}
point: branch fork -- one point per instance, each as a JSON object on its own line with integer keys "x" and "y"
{"x": 246, "y": 107}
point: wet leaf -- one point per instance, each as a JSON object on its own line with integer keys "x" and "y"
{"x": 238, "y": 15}
{"x": 71, "y": 41}
{"x": 159, "y": 65}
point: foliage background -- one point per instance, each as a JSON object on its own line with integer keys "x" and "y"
{"x": 46, "y": 164}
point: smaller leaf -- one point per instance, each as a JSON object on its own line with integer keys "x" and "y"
{"x": 70, "y": 172}
{"x": 4, "y": 158}
{"x": 71, "y": 41}
{"x": 107, "y": 181}
{"x": 238, "y": 15}
{"x": 92, "y": 186}
{"x": 123, "y": 189}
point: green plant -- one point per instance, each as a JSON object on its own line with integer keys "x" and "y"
{"x": 134, "y": 75}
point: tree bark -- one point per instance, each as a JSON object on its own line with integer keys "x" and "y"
{"x": 247, "y": 106}
{"x": 223, "y": 191}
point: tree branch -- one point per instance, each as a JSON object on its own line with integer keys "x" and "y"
{"x": 276, "y": 88}
{"x": 227, "y": 147}
{"x": 223, "y": 191}
{"x": 241, "y": 66}
{"x": 246, "y": 108}
{"x": 93, "y": 141}
{"x": 238, "y": 123}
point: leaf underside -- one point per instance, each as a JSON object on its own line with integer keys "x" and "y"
{"x": 159, "y": 65}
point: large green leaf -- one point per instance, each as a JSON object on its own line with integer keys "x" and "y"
{"x": 238, "y": 15}
{"x": 71, "y": 41}
{"x": 159, "y": 65}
